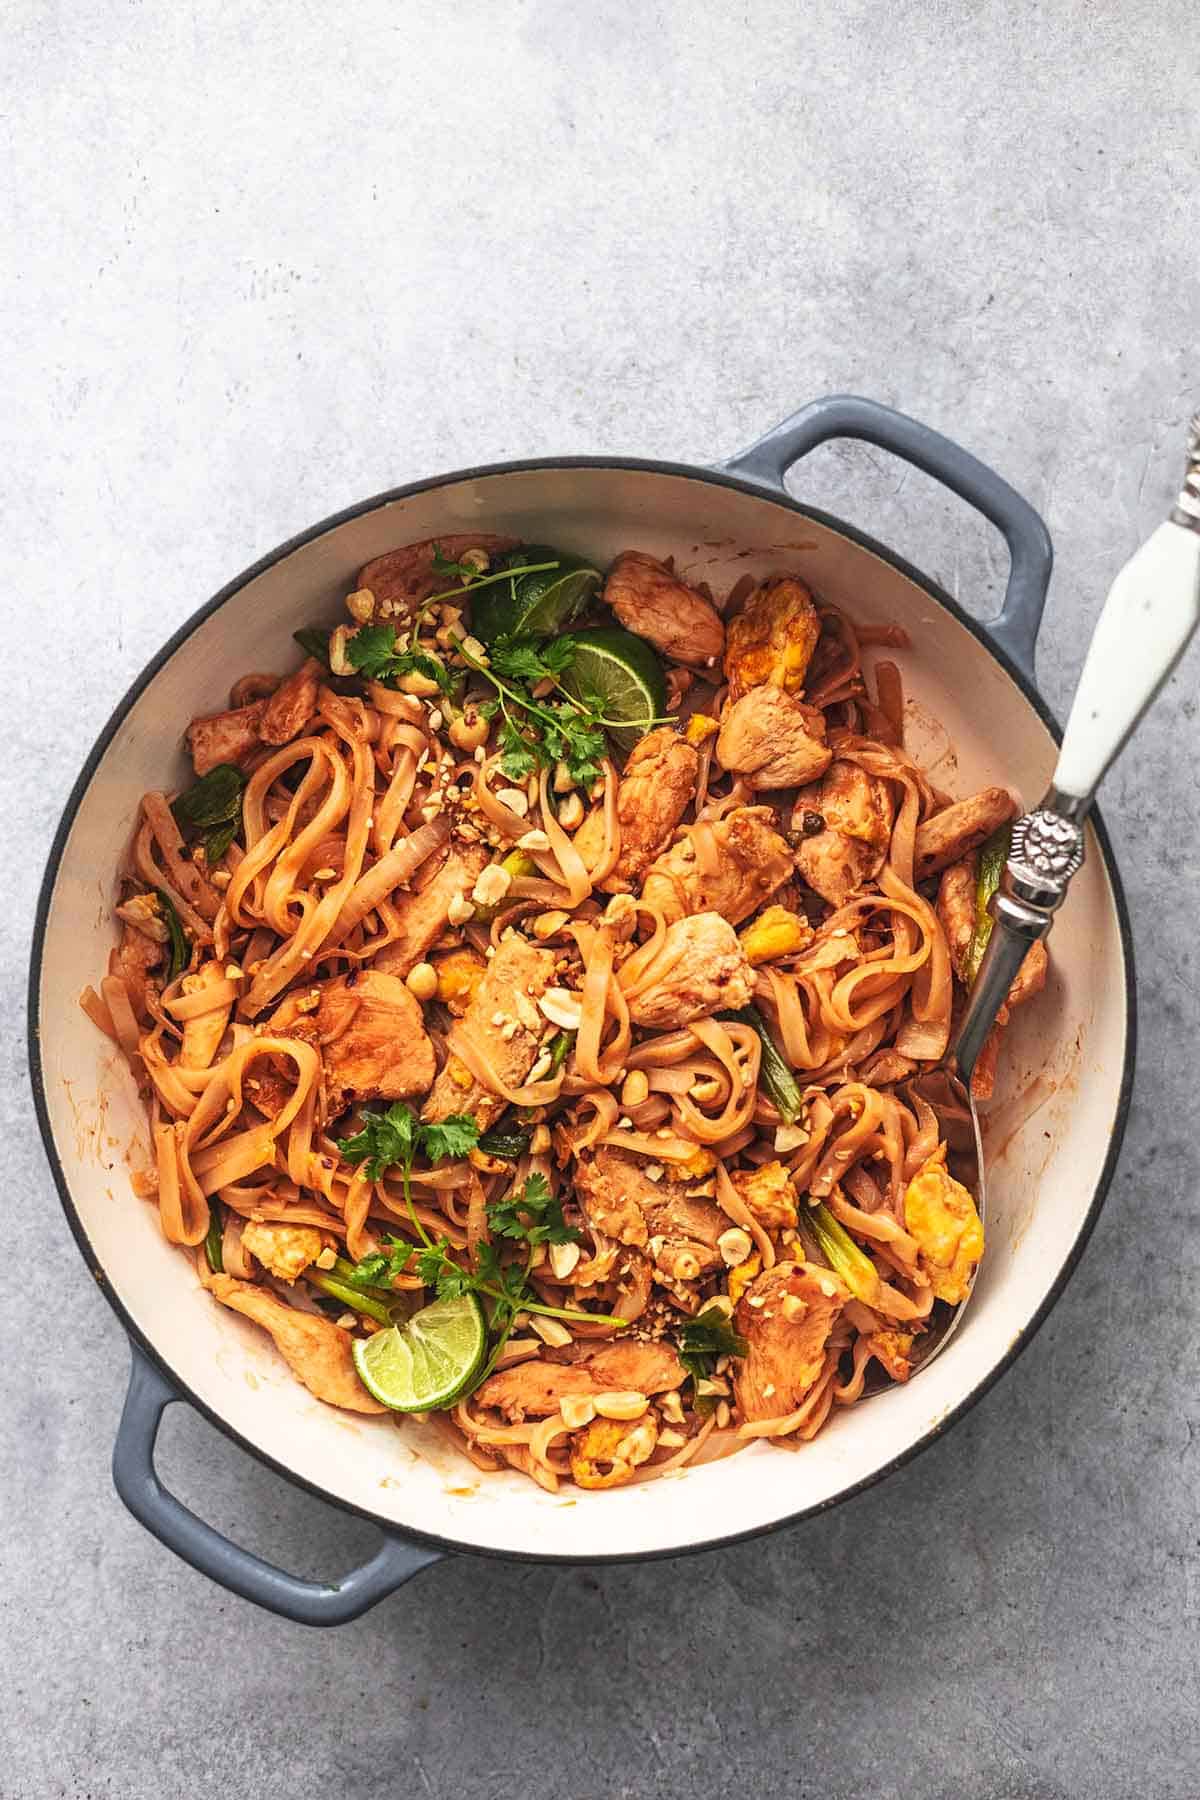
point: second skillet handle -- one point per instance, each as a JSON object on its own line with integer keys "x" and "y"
{"x": 1015, "y": 628}
{"x": 212, "y": 1553}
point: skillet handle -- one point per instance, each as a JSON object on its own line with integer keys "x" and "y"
{"x": 173, "y": 1524}
{"x": 1031, "y": 556}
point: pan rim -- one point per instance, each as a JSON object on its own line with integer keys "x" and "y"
{"x": 429, "y": 484}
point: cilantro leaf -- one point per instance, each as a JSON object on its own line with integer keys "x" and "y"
{"x": 371, "y": 650}
{"x": 455, "y": 1136}
{"x": 446, "y": 565}
{"x": 530, "y": 659}
{"x": 706, "y": 1337}
{"x": 385, "y": 1138}
{"x": 518, "y": 757}
{"x": 532, "y": 1215}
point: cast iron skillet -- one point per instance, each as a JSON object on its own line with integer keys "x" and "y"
{"x": 1011, "y": 637}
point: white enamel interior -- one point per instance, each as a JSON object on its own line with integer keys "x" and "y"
{"x": 1055, "y": 1114}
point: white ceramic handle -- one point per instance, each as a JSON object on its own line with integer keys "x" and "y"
{"x": 1153, "y": 607}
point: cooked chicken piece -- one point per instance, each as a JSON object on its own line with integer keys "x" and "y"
{"x": 776, "y": 932}
{"x": 133, "y": 960}
{"x": 959, "y": 828}
{"x": 786, "y": 1317}
{"x": 658, "y": 782}
{"x": 402, "y": 578}
{"x": 293, "y": 705}
{"x": 534, "y": 1389}
{"x": 956, "y": 911}
{"x": 941, "y": 1215}
{"x": 858, "y": 813}
{"x": 459, "y": 975}
{"x": 516, "y": 972}
{"x": 621, "y": 1201}
{"x": 701, "y": 969}
{"x": 283, "y": 1250}
{"x": 750, "y": 861}
{"x": 225, "y": 737}
{"x": 773, "y": 740}
{"x": 1029, "y": 980}
{"x": 370, "y": 1033}
{"x": 607, "y": 1452}
{"x": 653, "y": 603}
{"x": 315, "y": 1349}
{"x": 773, "y": 638}
{"x": 202, "y": 1035}
{"x": 769, "y": 1193}
{"x": 424, "y": 913}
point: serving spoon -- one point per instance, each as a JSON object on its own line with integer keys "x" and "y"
{"x": 1153, "y": 607}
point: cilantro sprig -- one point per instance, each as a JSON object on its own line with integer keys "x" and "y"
{"x": 537, "y": 734}
{"x": 528, "y": 1216}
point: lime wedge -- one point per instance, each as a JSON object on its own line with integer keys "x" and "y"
{"x": 538, "y": 605}
{"x": 429, "y": 1360}
{"x": 622, "y": 673}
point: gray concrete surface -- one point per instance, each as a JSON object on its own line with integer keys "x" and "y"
{"x": 262, "y": 260}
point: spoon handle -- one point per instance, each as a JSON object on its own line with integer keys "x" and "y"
{"x": 1153, "y": 607}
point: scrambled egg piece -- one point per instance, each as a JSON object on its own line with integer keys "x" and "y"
{"x": 770, "y": 1195}
{"x": 283, "y": 1250}
{"x": 776, "y": 932}
{"x": 741, "y": 1277}
{"x": 699, "y": 728}
{"x": 458, "y": 979}
{"x": 608, "y": 1451}
{"x": 773, "y": 639}
{"x": 941, "y": 1215}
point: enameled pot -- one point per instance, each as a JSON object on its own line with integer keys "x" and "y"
{"x": 974, "y": 717}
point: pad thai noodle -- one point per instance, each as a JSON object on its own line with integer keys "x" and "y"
{"x": 525, "y": 993}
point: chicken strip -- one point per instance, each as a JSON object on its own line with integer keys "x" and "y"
{"x": 654, "y": 604}
{"x": 135, "y": 960}
{"x": 534, "y": 1389}
{"x": 503, "y": 1022}
{"x": 621, "y": 1201}
{"x": 773, "y": 740}
{"x": 786, "y": 1317}
{"x": 424, "y": 913}
{"x": 769, "y": 1193}
{"x": 959, "y": 828}
{"x": 293, "y": 705}
{"x": 656, "y": 787}
{"x": 225, "y": 737}
{"x": 773, "y": 638}
{"x": 701, "y": 969}
{"x": 401, "y": 579}
{"x": 315, "y": 1349}
{"x": 750, "y": 861}
{"x": 370, "y": 1033}
{"x": 858, "y": 812}
{"x": 956, "y": 911}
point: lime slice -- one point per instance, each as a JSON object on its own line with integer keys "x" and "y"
{"x": 623, "y": 674}
{"x": 538, "y": 605}
{"x": 428, "y": 1361}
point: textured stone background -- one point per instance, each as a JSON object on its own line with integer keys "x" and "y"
{"x": 262, "y": 260}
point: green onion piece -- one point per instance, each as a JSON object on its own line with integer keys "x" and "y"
{"x": 992, "y": 858}
{"x": 213, "y": 1239}
{"x": 313, "y": 643}
{"x": 353, "y": 1297}
{"x": 777, "y": 1077}
{"x": 218, "y": 840}
{"x": 508, "y": 1142}
{"x": 844, "y": 1256}
{"x": 560, "y": 1050}
{"x": 180, "y": 953}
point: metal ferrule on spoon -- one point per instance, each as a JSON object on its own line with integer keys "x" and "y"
{"x": 1153, "y": 607}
